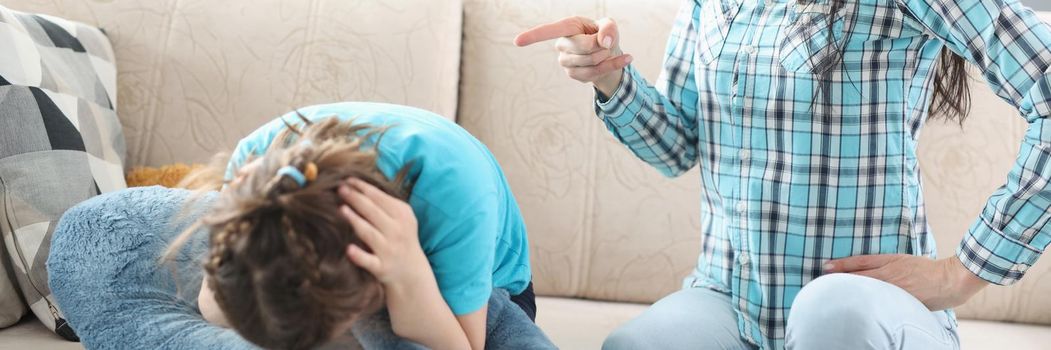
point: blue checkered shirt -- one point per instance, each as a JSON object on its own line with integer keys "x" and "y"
{"x": 793, "y": 177}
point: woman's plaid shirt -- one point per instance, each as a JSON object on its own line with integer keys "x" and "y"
{"x": 795, "y": 174}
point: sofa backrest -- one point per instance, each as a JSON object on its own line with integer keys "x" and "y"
{"x": 197, "y": 75}
{"x": 604, "y": 225}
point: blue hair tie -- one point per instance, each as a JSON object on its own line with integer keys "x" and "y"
{"x": 293, "y": 173}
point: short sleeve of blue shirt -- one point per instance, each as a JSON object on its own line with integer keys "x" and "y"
{"x": 457, "y": 193}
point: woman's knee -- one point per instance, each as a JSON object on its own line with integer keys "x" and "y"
{"x": 832, "y": 285}
{"x": 694, "y": 318}
{"x": 834, "y": 298}
{"x": 835, "y": 304}
{"x": 625, "y": 337}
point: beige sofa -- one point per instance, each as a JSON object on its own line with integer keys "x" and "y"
{"x": 195, "y": 75}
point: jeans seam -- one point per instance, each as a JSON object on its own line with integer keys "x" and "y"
{"x": 943, "y": 339}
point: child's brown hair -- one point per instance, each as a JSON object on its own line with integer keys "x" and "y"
{"x": 277, "y": 263}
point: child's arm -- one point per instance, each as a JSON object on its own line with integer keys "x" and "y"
{"x": 388, "y": 227}
{"x": 474, "y": 325}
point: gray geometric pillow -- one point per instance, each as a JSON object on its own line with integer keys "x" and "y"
{"x": 60, "y": 143}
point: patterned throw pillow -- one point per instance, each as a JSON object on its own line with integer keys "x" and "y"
{"x": 60, "y": 144}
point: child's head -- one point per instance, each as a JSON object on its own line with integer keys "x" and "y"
{"x": 277, "y": 263}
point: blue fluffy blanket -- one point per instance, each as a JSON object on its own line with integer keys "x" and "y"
{"x": 105, "y": 272}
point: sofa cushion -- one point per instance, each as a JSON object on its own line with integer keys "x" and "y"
{"x": 197, "y": 76}
{"x": 60, "y": 139}
{"x": 602, "y": 224}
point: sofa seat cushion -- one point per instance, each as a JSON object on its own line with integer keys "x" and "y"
{"x": 583, "y": 324}
{"x": 31, "y": 334}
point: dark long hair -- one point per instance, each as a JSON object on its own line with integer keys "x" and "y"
{"x": 952, "y": 98}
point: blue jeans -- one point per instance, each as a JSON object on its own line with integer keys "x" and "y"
{"x": 837, "y": 311}
{"x": 508, "y": 326}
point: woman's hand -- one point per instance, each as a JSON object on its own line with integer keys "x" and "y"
{"x": 939, "y": 284}
{"x": 588, "y": 50}
{"x": 387, "y": 225}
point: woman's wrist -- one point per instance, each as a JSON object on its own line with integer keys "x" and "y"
{"x": 608, "y": 84}
{"x": 965, "y": 284}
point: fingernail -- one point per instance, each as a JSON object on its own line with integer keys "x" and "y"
{"x": 828, "y": 266}
{"x": 627, "y": 60}
{"x": 607, "y": 42}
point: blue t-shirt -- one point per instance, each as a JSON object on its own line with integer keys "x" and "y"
{"x": 470, "y": 226}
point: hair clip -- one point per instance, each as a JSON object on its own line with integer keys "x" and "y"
{"x": 293, "y": 173}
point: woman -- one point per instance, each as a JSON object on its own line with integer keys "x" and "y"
{"x": 804, "y": 118}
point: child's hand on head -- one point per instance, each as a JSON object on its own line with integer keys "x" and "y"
{"x": 388, "y": 226}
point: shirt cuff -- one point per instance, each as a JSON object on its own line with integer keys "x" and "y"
{"x": 994, "y": 256}
{"x": 616, "y": 109}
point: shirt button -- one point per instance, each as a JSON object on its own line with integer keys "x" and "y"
{"x": 743, "y": 259}
{"x": 745, "y": 154}
{"x": 747, "y": 49}
{"x": 742, "y": 207}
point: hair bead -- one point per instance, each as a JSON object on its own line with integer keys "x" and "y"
{"x": 310, "y": 171}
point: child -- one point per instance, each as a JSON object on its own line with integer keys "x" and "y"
{"x": 313, "y": 234}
